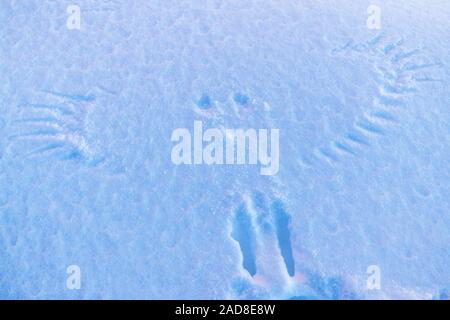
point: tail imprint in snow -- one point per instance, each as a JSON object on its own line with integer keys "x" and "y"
{"x": 253, "y": 220}
{"x": 257, "y": 222}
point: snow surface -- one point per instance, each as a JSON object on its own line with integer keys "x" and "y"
{"x": 86, "y": 178}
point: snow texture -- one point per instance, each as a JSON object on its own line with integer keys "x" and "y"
{"x": 86, "y": 177}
